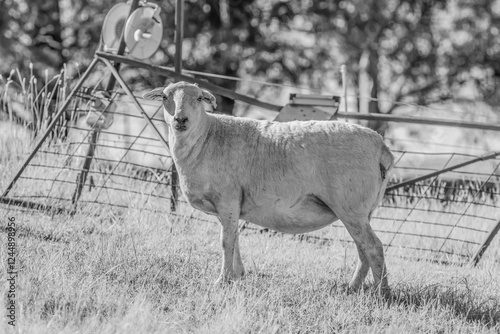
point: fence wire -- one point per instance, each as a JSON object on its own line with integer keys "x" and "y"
{"x": 444, "y": 218}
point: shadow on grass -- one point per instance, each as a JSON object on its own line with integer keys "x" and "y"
{"x": 29, "y": 232}
{"x": 76, "y": 310}
{"x": 462, "y": 302}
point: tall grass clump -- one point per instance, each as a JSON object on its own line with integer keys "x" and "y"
{"x": 32, "y": 101}
{"x": 27, "y": 105}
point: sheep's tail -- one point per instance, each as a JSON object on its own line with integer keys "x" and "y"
{"x": 386, "y": 164}
{"x": 386, "y": 161}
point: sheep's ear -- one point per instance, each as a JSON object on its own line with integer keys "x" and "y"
{"x": 156, "y": 94}
{"x": 208, "y": 97}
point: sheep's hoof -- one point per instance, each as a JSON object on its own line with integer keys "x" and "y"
{"x": 224, "y": 280}
{"x": 354, "y": 288}
{"x": 348, "y": 288}
{"x": 341, "y": 289}
{"x": 239, "y": 274}
{"x": 384, "y": 293}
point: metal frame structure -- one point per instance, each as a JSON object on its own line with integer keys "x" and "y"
{"x": 82, "y": 177}
{"x": 93, "y": 140}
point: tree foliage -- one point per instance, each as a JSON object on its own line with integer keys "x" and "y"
{"x": 473, "y": 39}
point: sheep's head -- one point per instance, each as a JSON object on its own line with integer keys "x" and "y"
{"x": 184, "y": 102}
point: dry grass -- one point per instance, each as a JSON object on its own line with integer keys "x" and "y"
{"x": 139, "y": 273}
{"x": 132, "y": 271}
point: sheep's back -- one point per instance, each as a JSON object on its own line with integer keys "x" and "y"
{"x": 263, "y": 152}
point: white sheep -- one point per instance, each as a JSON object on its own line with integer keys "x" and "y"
{"x": 292, "y": 177}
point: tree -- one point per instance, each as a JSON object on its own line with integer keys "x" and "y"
{"x": 49, "y": 33}
{"x": 242, "y": 38}
{"x": 396, "y": 51}
{"x": 391, "y": 48}
{"x": 473, "y": 32}
{"x": 225, "y": 37}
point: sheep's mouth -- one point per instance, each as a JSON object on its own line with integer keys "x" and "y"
{"x": 179, "y": 127}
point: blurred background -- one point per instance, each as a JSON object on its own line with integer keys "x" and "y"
{"x": 396, "y": 51}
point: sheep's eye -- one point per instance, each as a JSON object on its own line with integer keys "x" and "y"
{"x": 200, "y": 98}
{"x": 165, "y": 97}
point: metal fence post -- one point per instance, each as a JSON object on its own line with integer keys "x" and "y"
{"x": 475, "y": 259}
{"x": 343, "y": 71}
{"x": 179, "y": 35}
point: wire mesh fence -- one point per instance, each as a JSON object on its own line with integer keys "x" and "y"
{"x": 443, "y": 218}
{"x": 129, "y": 161}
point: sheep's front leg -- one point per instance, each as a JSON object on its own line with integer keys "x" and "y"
{"x": 229, "y": 239}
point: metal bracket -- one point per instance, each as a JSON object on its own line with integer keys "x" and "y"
{"x": 309, "y": 107}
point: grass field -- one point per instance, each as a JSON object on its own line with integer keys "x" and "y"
{"x": 133, "y": 271}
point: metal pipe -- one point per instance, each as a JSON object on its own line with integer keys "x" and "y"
{"x": 475, "y": 259}
{"x": 343, "y": 71}
{"x": 444, "y": 170}
{"x": 127, "y": 90}
{"x": 428, "y": 121}
{"x": 274, "y": 107}
{"x": 179, "y": 36}
{"x": 165, "y": 71}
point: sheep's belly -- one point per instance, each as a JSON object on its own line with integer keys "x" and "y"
{"x": 305, "y": 216}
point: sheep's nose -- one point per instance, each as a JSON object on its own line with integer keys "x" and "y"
{"x": 180, "y": 122}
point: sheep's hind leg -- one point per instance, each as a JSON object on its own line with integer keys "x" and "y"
{"x": 361, "y": 271}
{"x": 371, "y": 252}
{"x": 238, "y": 268}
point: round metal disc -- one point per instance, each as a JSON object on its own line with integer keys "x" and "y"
{"x": 143, "y": 34}
{"x": 113, "y": 25}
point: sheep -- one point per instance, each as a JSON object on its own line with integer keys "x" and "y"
{"x": 292, "y": 177}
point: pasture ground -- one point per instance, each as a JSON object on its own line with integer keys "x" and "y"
{"x": 138, "y": 272}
